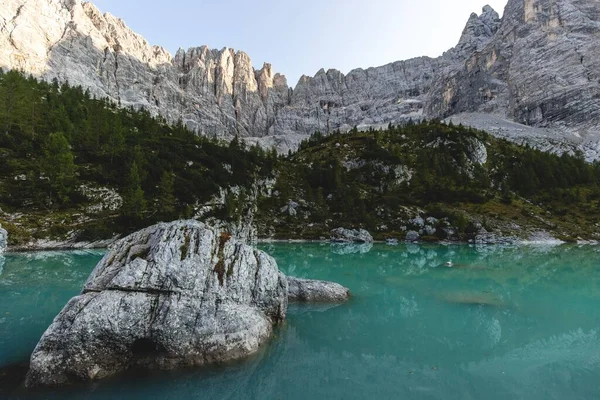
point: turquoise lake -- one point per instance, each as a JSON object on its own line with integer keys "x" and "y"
{"x": 503, "y": 323}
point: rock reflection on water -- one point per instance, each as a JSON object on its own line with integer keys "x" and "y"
{"x": 351, "y": 248}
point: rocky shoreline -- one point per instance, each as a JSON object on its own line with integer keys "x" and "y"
{"x": 52, "y": 245}
{"x": 3, "y": 240}
{"x": 99, "y": 245}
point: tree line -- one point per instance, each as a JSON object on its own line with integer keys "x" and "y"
{"x": 54, "y": 138}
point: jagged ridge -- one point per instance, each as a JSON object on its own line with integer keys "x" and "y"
{"x": 536, "y": 66}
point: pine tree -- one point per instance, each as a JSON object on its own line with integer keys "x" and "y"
{"x": 166, "y": 201}
{"x": 133, "y": 198}
{"x": 115, "y": 143}
{"x": 140, "y": 160}
{"x": 230, "y": 205}
{"x": 12, "y": 105}
{"x": 59, "y": 166}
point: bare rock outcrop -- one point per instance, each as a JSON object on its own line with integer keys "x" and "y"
{"x": 169, "y": 296}
{"x": 537, "y": 66}
{"x": 539, "y": 69}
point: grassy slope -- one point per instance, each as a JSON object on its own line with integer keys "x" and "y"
{"x": 447, "y": 183}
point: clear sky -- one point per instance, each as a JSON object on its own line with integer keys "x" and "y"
{"x": 301, "y": 36}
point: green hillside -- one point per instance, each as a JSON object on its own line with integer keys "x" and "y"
{"x": 383, "y": 180}
{"x": 79, "y": 168}
{"x": 66, "y": 158}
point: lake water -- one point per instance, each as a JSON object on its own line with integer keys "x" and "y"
{"x": 504, "y": 323}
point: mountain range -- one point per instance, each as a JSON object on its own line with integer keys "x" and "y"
{"x": 532, "y": 76}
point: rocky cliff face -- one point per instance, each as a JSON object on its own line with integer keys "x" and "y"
{"x": 537, "y": 66}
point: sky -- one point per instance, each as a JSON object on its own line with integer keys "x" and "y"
{"x": 302, "y": 36}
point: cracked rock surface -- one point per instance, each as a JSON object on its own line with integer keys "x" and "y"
{"x": 173, "y": 295}
{"x": 170, "y": 296}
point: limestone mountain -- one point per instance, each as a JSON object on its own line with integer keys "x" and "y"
{"x": 531, "y": 75}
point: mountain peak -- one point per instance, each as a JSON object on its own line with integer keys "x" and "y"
{"x": 487, "y": 9}
{"x": 480, "y": 28}
{"x": 538, "y": 65}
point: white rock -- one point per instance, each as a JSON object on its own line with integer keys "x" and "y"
{"x": 429, "y": 230}
{"x": 290, "y": 208}
{"x": 418, "y": 221}
{"x": 3, "y": 240}
{"x": 412, "y": 236}
{"x": 172, "y": 295}
{"x": 302, "y": 290}
{"x": 342, "y": 235}
{"x": 432, "y": 221}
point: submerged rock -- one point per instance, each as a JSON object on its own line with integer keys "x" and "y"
{"x": 305, "y": 290}
{"x": 172, "y": 295}
{"x": 474, "y": 298}
{"x": 3, "y": 240}
{"x": 342, "y": 235}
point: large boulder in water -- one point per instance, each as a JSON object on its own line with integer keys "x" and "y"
{"x": 172, "y": 295}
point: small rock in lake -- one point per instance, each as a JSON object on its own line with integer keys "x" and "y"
{"x": 305, "y": 290}
{"x": 342, "y": 235}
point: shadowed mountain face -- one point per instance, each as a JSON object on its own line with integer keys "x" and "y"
{"x": 539, "y": 69}
{"x": 537, "y": 66}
